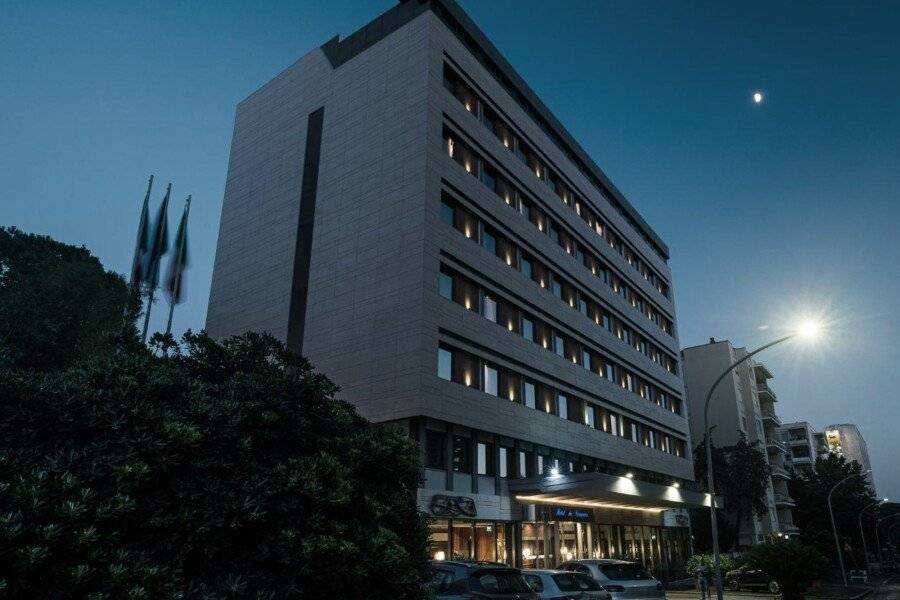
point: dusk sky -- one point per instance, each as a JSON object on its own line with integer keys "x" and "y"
{"x": 772, "y": 212}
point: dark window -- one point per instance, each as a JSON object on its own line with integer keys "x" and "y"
{"x": 435, "y": 449}
{"x": 447, "y": 213}
{"x": 462, "y": 454}
{"x": 445, "y": 286}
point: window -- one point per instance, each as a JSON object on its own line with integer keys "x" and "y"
{"x": 490, "y": 309}
{"x": 485, "y": 458}
{"x": 435, "y": 449}
{"x": 490, "y": 380}
{"x": 528, "y": 329}
{"x": 557, "y": 288}
{"x": 510, "y": 385}
{"x": 529, "y": 394}
{"x": 614, "y": 424}
{"x": 505, "y": 457}
{"x": 589, "y": 415}
{"x": 559, "y": 345}
{"x": 540, "y": 464}
{"x": 489, "y": 241}
{"x": 446, "y": 213}
{"x": 445, "y": 364}
{"x": 525, "y": 266}
{"x": 526, "y": 464}
{"x": 462, "y": 454}
{"x": 563, "y": 404}
{"x": 445, "y": 286}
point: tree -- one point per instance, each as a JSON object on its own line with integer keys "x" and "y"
{"x": 57, "y": 302}
{"x": 793, "y": 565}
{"x": 810, "y": 492}
{"x": 219, "y": 471}
{"x": 742, "y": 478}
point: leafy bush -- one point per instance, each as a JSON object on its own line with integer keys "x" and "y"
{"x": 792, "y": 564}
{"x": 726, "y": 563}
{"x": 220, "y": 471}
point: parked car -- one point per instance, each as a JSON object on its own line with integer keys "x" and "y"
{"x": 745, "y": 577}
{"x": 476, "y": 580}
{"x": 624, "y": 580}
{"x": 564, "y": 585}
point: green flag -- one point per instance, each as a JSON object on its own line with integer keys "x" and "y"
{"x": 174, "y": 286}
{"x": 142, "y": 243}
{"x": 159, "y": 243}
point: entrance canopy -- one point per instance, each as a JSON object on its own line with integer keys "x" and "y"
{"x": 599, "y": 490}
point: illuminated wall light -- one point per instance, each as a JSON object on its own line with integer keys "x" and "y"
{"x": 629, "y": 475}
{"x": 468, "y": 167}
{"x": 676, "y": 485}
{"x": 509, "y": 326}
{"x": 468, "y": 107}
{"x": 506, "y": 142}
{"x": 468, "y": 379}
{"x": 468, "y": 233}
{"x": 509, "y": 260}
{"x": 440, "y": 555}
{"x": 512, "y": 394}
{"x": 468, "y": 304}
{"x": 450, "y": 146}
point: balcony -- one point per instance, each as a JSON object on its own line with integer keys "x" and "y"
{"x": 769, "y": 417}
{"x": 784, "y": 501}
{"x": 774, "y": 446}
{"x": 789, "y": 528}
{"x": 778, "y": 472}
{"x": 765, "y": 393}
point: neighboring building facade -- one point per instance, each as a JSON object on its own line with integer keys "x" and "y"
{"x": 846, "y": 440}
{"x": 403, "y": 210}
{"x": 742, "y": 404}
{"x": 804, "y": 446}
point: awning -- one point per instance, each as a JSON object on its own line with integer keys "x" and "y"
{"x": 599, "y": 490}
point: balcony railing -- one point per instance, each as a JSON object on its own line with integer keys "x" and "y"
{"x": 768, "y": 414}
{"x": 773, "y": 446}
{"x": 783, "y": 500}
{"x": 778, "y": 471}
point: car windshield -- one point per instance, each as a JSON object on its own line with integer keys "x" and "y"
{"x": 575, "y": 582}
{"x": 625, "y": 572}
{"x": 498, "y": 581}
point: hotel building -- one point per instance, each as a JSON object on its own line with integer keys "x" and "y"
{"x": 401, "y": 208}
{"x": 743, "y": 404}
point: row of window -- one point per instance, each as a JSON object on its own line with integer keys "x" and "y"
{"x": 469, "y": 370}
{"x": 474, "y": 164}
{"x": 475, "y": 229}
{"x": 465, "y": 292}
{"x": 469, "y": 455}
{"x": 527, "y": 155}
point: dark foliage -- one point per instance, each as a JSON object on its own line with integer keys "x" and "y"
{"x": 57, "y": 302}
{"x": 810, "y": 492}
{"x": 742, "y": 478}
{"x": 219, "y": 471}
{"x": 792, "y": 564}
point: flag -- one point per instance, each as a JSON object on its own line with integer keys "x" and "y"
{"x": 174, "y": 286}
{"x": 143, "y": 241}
{"x": 159, "y": 243}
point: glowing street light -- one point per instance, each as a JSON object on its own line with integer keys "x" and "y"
{"x": 807, "y": 329}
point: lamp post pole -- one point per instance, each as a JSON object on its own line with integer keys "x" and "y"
{"x": 709, "y": 466}
{"x": 862, "y": 533}
{"x": 837, "y": 541}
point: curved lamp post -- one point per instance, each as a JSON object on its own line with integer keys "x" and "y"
{"x": 862, "y": 534}
{"x": 808, "y": 329}
{"x": 877, "y": 524}
{"x": 837, "y": 541}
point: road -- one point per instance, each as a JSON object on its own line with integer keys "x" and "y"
{"x": 887, "y": 591}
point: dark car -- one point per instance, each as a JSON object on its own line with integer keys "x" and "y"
{"x": 745, "y": 578}
{"x": 476, "y": 580}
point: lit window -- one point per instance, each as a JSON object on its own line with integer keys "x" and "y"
{"x": 563, "y": 404}
{"x": 445, "y": 364}
{"x": 540, "y": 464}
{"x": 485, "y": 459}
{"x": 450, "y": 147}
{"x": 503, "y": 462}
{"x": 529, "y": 395}
{"x": 523, "y": 464}
{"x": 586, "y": 359}
{"x": 613, "y": 424}
{"x": 589, "y": 415}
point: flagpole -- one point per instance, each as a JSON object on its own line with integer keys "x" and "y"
{"x": 181, "y": 241}
{"x": 147, "y": 314}
{"x": 134, "y": 286}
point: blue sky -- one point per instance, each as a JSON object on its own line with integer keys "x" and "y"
{"x": 771, "y": 211}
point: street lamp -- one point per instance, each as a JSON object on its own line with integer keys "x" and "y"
{"x": 877, "y": 538}
{"x": 837, "y": 541}
{"x": 862, "y": 534}
{"x": 808, "y": 329}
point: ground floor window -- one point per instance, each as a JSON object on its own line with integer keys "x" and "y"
{"x": 464, "y": 539}
{"x": 545, "y": 544}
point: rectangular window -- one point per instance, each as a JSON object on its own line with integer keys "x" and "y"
{"x": 586, "y": 359}
{"x": 435, "y": 449}
{"x": 490, "y": 309}
{"x": 489, "y": 241}
{"x": 485, "y": 458}
{"x": 525, "y": 266}
{"x": 613, "y": 423}
{"x": 490, "y": 380}
{"x": 559, "y": 345}
{"x": 523, "y": 463}
{"x": 504, "y": 461}
{"x": 462, "y": 454}
{"x": 589, "y": 415}
{"x": 557, "y": 288}
{"x": 447, "y": 213}
{"x": 563, "y": 404}
{"x": 529, "y": 394}
{"x": 445, "y": 286}
{"x": 528, "y": 329}
{"x": 445, "y": 364}
{"x": 540, "y": 464}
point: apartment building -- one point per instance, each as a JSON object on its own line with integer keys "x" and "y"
{"x": 804, "y": 446}
{"x": 401, "y": 208}
{"x": 743, "y": 404}
{"x": 846, "y": 440}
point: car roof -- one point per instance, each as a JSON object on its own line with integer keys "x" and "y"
{"x": 549, "y": 571}
{"x": 481, "y": 564}
{"x": 602, "y": 561}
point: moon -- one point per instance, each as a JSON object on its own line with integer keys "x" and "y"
{"x": 757, "y": 97}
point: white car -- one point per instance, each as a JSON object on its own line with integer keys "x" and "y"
{"x": 624, "y": 580}
{"x": 564, "y": 585}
